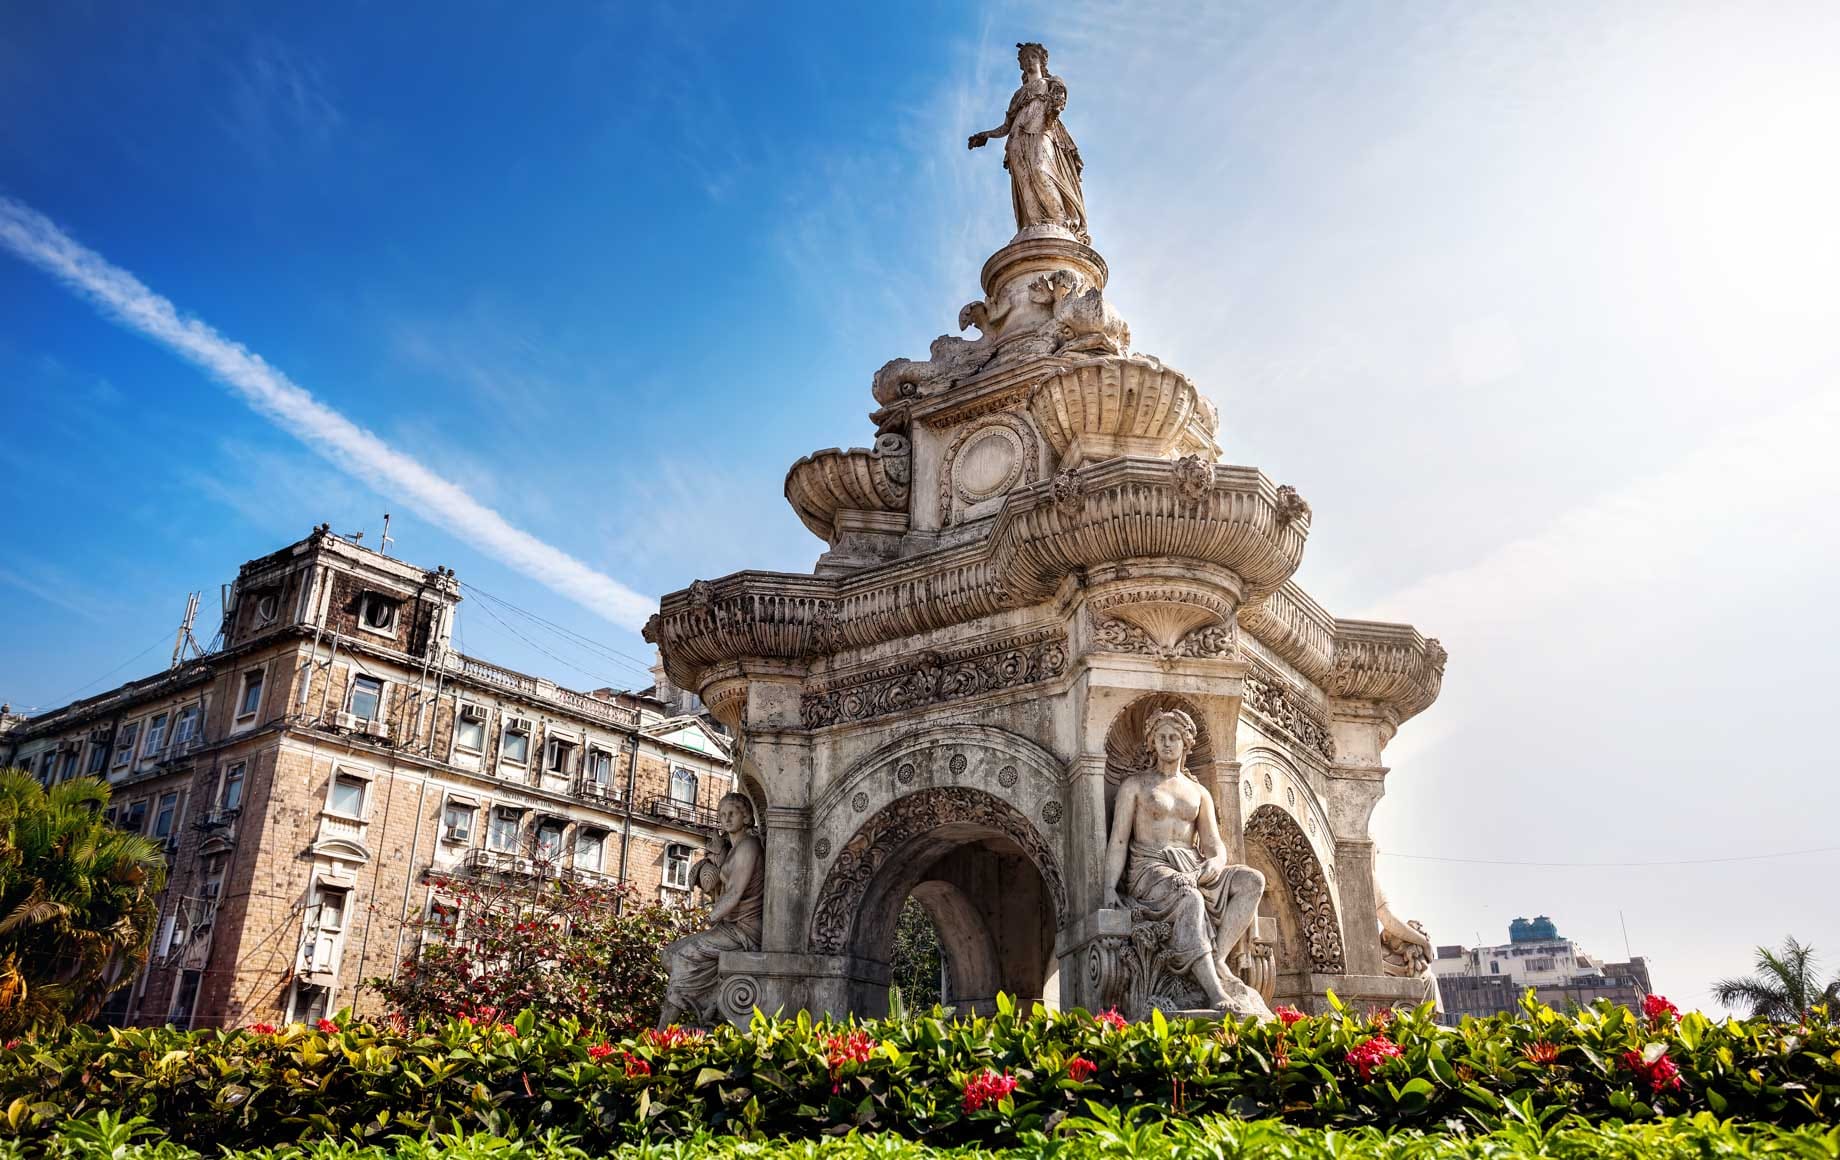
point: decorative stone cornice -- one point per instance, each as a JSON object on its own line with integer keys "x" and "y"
{"x": 1387, "y": 663}
{"x": 1131, "y": 508}
{"x": 826, "y": 482}
{"x": 1271, "y": 697}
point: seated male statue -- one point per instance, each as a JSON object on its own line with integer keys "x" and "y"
{"x": 1165, "y": 843}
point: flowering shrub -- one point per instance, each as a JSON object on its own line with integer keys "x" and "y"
{"x": 1112, "y": 1019}
{"x": 1288, "y": 1015}
{"x": 1657, "y": 1009}
{"x": 985, "y": 1080}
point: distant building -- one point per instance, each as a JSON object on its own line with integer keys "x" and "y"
{"x": 316, "y": 777}
{"x": 1484, "y": 981}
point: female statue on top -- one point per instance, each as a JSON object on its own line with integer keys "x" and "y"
{"x": 1043, "y": 162}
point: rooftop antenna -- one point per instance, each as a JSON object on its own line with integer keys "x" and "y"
{"x": 184, "y": 636}
{"x": 383, "y": 545}
{"x": 1628, "y": 955}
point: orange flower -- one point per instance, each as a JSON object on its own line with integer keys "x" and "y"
{"x": 1541, "y": 1052}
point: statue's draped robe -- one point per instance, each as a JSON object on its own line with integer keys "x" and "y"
{"x": 1043, "y": 162}
{"x": 692, "y": 961}
{"x": 1175, "y": 885}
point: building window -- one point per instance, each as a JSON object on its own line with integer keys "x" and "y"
{"x": 516, "y": 746}
{"x": 308, "y": 1004}
{"x": 470, "y": 729}
{"x": 589, "y": 846}
{"x": 549, "y": 842}
{"x": 561, "y": 755}
{"x": 600, "y": 767}
{"x": 185, "y": 728}
{"x": 1494, "y": 967}
{"x": 156, "y": 736}
{"x": 457, "y": 822}
{"x": 347, "y": 798}
{"x": 251, "y": 699}
{"x": 683, "y": 785}
{"x": 331, "y": 918}
{"x": 268, "y": 606}
{"x": 185, "y": 999}
{"x": 135, "y": 820}
{"x": 98, "y": 757}
{"x": 231, "y": 796}
{"x": 166, "y": 816}
{"x": 506, "y": 823}
{"x": 366, "y": 698}
{"x": 67, "y": 769}
{"x": 378, "y": 613}
{"x": 124, "y": 744}
{"x": 677, "y": 866}
{"x": 443, "y": 920}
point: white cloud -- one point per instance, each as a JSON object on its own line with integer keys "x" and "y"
{"x": 39, "y": 241}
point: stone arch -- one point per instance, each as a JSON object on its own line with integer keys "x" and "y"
{"x": 1281, "y": 839}
{"x": 965, "y": 941}
{"x": 992, "y": 758}
{"x": 900, "y": 835}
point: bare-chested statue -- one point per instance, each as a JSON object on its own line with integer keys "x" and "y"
{"x": 1043, "y": 162}
{"x": 1165, "y": 843}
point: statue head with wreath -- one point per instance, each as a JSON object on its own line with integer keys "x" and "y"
{"x": 1170, "y": 736}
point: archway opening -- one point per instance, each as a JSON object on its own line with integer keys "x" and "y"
{"x": 989, "y": 910}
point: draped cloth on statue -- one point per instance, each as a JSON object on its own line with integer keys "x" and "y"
{"x": 1043, "y": 162}
{"x": 692, "y": 961}
{"x": 1175, "y": 885}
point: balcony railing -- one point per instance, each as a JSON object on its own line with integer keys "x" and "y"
{"x": 538, "y": 689}
{"x": 683, "y": 813}
{"x": 603, "y": 793}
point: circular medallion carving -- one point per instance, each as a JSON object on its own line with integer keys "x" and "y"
{"x": 1309, "y": 823}
{"x": 1268, "y": 781}
{"x": 738, "y": 996}
{"x": 958, "y": 763}
{"x": 822, "y": 849}
{"x": 1008, "y": 776}
{"x": 1290, "y": 795}
{"x": 1051, "y": 813}
{"x": 905, "y": 774}
{"x": 988, "y": 464}
{"x": 860, "y": 802}
{"x": 1247, "y": 786}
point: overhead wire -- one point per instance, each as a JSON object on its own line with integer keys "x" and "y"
{"x": 1615, "y": 865}
{"x": 68, "y": 697}
{"x": 604, "y": 650}
{"x": 552, "y": 656}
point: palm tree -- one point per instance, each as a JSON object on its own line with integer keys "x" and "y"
{"x": 78, "y": 901}
{"x": 1784, "y": 988}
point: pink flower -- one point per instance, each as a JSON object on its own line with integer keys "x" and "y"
{"x": 260, "y": 1028}
{"x": 671, "y": 1037}
{"x": 327, "y": 1026}
{"x": 1080, "y": 1069}
{"x": 1371, "y": 1054}
{"x": 636, "y": 1068}
{"x": 1288, "y": 1015}
{"x": 1656, "y": 1009}
{"x": 854, "y": 1047}
{"x": 1112, "y": 1019}
{"x": 987, "y": 1087}
{"x": 508, "y": 1029}
{"x": 600, "y": 1051}
{"x": 1660, "y": 1071}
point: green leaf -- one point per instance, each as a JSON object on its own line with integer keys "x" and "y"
{"x": 709, "y": 1075}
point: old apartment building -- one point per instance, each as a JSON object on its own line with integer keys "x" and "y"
{"x": 318, "y": 776}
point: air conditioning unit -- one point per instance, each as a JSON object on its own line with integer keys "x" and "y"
{"x": 460, "y": 834}
{"x": 369, "y": 726}
{"x": 210, "y": 890}
{"x": 521, "y": 724}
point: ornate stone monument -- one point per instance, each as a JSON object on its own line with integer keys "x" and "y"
{"x": 730, "y": 878}
{"x": 1039, "y": 556}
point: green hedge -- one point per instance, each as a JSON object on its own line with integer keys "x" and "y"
{"x": 1212, "y": 1138}
{"x": 935, "y": 1079}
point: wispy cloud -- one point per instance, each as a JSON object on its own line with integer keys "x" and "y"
{"x": 38, "y": 240}
{"x": 278, "y": 101}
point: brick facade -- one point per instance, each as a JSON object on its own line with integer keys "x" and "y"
{"x": 308, "y": 818}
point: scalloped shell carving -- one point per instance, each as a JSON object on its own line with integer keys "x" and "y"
{"x": 1119, "y": 405}
{"x": 859, "y": 480}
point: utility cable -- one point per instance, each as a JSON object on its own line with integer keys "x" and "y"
{"x": 605, "y": 650}
{"x": 1609, "y": 865}
{"x": 552, "y": 656}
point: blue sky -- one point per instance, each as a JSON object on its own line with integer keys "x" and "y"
{"x": 1534, "y": 305}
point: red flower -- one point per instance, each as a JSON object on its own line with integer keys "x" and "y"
{"x": 1371, "y": 1054}
{"x": 508, "y": 1029}
{"x": 1112, "y": 1019}
{"x": 10, "y": 1045}
{"x": 1657, "y": 1009}
{"x": 600, "y": 1051}
{"x": 260, "y": 1028}
{"x": 1080, "y": 1069}
{"x": 1288, "y": 1015}
{"x": 854, "y": 1047}
{"x": 327, "y": 1026}
{"x": 987, "y": 1087}
{"x": 1541, "y": 1052}
{"x": 671, "y": 1037}
{"x": 1659, "y": 1071}
{"x": 636, "y": 1068}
